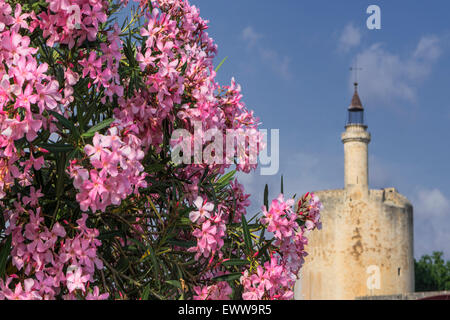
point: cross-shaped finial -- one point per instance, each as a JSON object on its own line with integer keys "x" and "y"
{"x": 355, "y": 71}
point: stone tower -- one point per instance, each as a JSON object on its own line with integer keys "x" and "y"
{"x": 365, "y": 247}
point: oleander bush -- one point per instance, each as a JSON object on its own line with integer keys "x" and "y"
{"x": 93, "y": 204}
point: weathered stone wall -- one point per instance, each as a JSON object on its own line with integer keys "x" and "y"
{"x": 364, "y": 248}
{"x": 321, "y": 262}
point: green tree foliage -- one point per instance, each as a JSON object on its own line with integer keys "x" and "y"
{"x": 432, "y": 273}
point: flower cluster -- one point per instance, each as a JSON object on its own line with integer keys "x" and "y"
{"x": 25, "y": 92}
{"x": 211, "y": 232}
{"x": 219, "y": 291}
{"x": 311, "y": 216}
{"x": 103, "y": 67}
{"x": 71, "y": 22}
{"x": 179, "y": 86}
{"x": 51, "y": 262}
{"x": 269, "y": 282}
{"x": 276, "y": 279}
{"x": 116, "y": 172}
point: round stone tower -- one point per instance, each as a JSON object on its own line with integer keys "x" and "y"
{"x": 365, "y": 247}
{"x": 356, "y": 140}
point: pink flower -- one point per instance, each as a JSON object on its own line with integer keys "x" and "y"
{"x": 71, "y": 77}
{"x": 219, "y": 291}
{"x": 33, "y": 198}
{"x": 19, "y": 20}
{"x": 92, "y": 66}
{"x": 203, "y": 212}
{"x": 75, "y": 279}
{"x": 96, "y": 150}
{"x": 21, "y": 294}
{"x": 96, "y": 296}
{"x": 95, "y": 185}
{"x": 47, "y": 96}
{"x": 145, "y": 59}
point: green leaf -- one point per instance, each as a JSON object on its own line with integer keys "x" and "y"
{"x": 221, "y": 63}
{"x": 4, "y": 253}
{"x": 185, "y": 221}
{"x": 61, "y": 163}
{"x": 224, "y": 181}
{"x": 247, "y": 236}
{"x": 109, "y": 235}
{"x": 146, "y": 292}
{"x": 266, "y": 204}
{"x": 226, "y": 178}
{"x": 174, "y": 283}
{"x": 183, "y": 69}
{"x": 66, "y": 123}
{"x": 235, "y": 262}
{"x": 97, "y": 127}
{"x": 266, "y": 197}
{"x": 184, "y": 244}
{"x": 282, "y": 184}
{"x": 152, "y": 255}
{"x": 263, "y": 249}
{"x": 57, "y": 147}
{"x": 228, "y": 277}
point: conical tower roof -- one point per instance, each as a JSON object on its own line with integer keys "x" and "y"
{"x": 356, "y": 104}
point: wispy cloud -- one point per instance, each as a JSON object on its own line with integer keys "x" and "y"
{"x": 388, "y": 77}
{"x": 278, "y": 63}
{"x": 250, "y": 36}
{"x": 431, "y": 222}
{"x": 350, "y": 38}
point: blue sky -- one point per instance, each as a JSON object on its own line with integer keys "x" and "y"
{"x": 292, "y": 60}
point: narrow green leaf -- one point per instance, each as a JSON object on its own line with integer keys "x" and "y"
{"x": 174, "y": 283}
{"x": 247, "y": 236}
{"x": 56, "y": 147}
{"x": 109, "y": 235}
{"x": 97, "y": 127}
{"x": 266, "y": 204}
{"x": 282, "y": 184}
{"x": 146, "y": 292}
{"x": 228, "y": 277}
{"x": 184, "y": 244}
{"x": 235, "y": 262}
{"x": 227, "y": 177}
{"x": 4, "y": 253}
{"x": 66, "y": 123}
{"x": 185, "y": 221}
{"x": 61, "y": 163}
{"x": 266, "y": 197}
{"x": 221, "y": 63}
{"x": 152, "y": 255}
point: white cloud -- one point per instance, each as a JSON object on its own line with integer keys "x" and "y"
{"x": 250, "y": 36}
{"x": 279, "y": 63}
{"x": 431, "y": 222}
{"x": 388, "y": 78}
{"x": 432, "y": 203}
{"x": 350, "y": 38}
{"x": 428, "y": 48}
